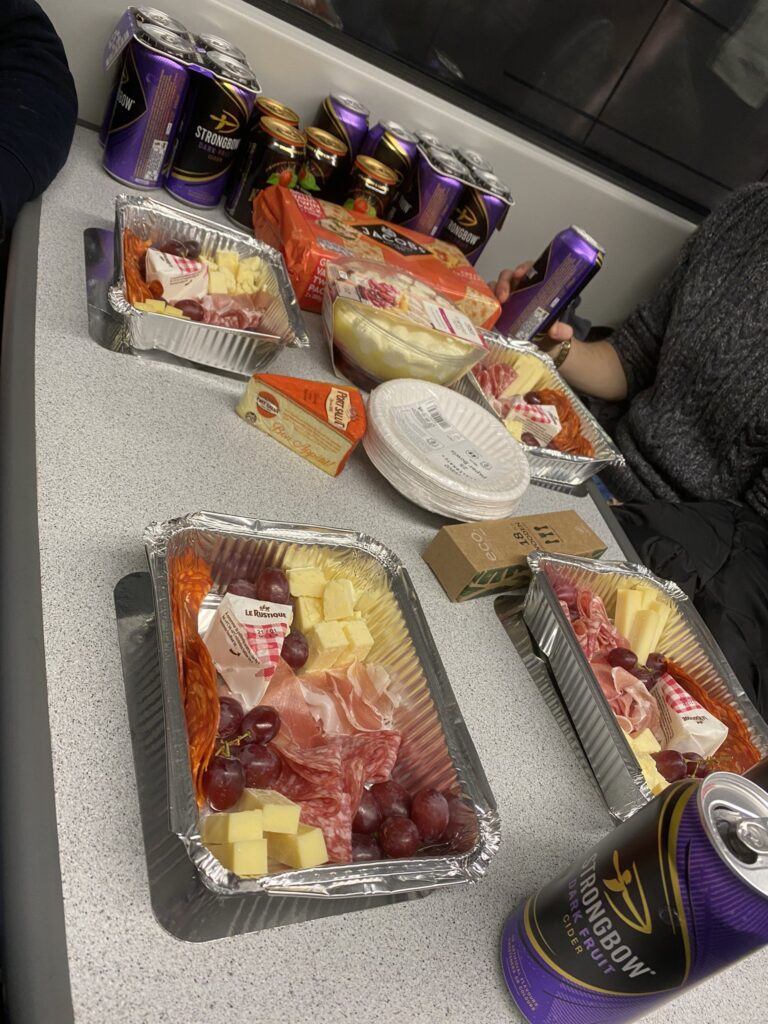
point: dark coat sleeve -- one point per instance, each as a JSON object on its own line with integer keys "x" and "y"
{"x": 38, "y": 106}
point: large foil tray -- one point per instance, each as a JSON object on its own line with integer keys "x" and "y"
{"x": 233, "y": 351}
{"x": 686, "y": 641}
{"x": 547, "y": 465}
{"x": 436, "y": 749}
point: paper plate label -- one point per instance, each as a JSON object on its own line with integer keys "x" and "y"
{"x": 438, "y": 441}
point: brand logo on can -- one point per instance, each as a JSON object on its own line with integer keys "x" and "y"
{"x": 267, "y": 404}
{"x": 466, "y": 218}
{"x": 225, "y": 122}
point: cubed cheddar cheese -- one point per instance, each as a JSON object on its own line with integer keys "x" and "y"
{"x": 307, "y": 582}
{"x": 327, "y": 641}
{"x": 308, "y": 612}
{"x": 246, "y": 283}
{"x": 254, "y": 264}
{"x": 279, "y": 814}
{"x": 359, "y": 638}
{"x": 233, "y": 826}
{"x": 172, "y": 311}
{"x": 339, "y": 600}
{"x": 228, "y": 260}
{"x": 306, "y": 849}
{"x": 217, "y": 283}
{"x": 247, "y": 858}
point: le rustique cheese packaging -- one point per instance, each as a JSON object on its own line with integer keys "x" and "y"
{"x": 476, "y": 559}
{"x": 321, "y": 422}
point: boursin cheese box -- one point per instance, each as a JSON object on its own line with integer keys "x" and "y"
{"x": 321, "y": 422}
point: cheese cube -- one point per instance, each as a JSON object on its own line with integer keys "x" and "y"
{"x": 279, "y": 814}
{"x": 247, "y": 859}
{"x": 231, "y": 280}
{"x": 246, "y": 284}
{"x": 154, "y": 305}
{"x": 306, "y": 582}
{"x": 644, "y": 743}
{"x": 172, "y": 311}
{"x": 228, "y": 260}
{"x": 306, "y": 849}
{"x": 217, "y": 283}
{"x": 339, "y": 600}
{"x": 327, "y": 641}
{"x": 360, "y": 639}
{"x": 308, "y": 612}
{"x": 232, "y": 826}
{"x": 254, "y": 264}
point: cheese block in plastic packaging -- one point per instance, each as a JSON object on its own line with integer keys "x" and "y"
{"x": 384, "y": 324}
{"x": 313, "y": 234}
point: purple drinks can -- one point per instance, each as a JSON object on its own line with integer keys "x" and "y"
{"x": 474, "y": 160}
{"x": 568, "y": 263}
{"x": 670, "y": 897}
{"x": 480, "y": 211}
{"x": 347, "y": 119}
{"x": 428, "y": 139}
{"x": 153, "y": 83}
{"x": 213, "y": 126}
{"x": 391, "y": 144}
{"x": 132, "y": 18}
{"x": 206, "y": 41}
{"x": 433, "y": 191}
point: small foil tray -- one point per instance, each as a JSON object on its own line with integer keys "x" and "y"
{"x": 240, "y": 352}
{"x": 686, "y": 641}
{"x": 436, "y": 749}
{"x": 546, "y": 465}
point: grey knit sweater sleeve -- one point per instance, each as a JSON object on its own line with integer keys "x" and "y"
{"x": 695, "y": 356}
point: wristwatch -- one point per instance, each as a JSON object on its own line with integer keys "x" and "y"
{"x": 562, "y": 355}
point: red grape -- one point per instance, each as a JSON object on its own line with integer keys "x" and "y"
{"x": 173, "y": 247}
{"x": 192, "y": 249}
{"x": 191, "y": 308}
{"x": 262, "y": 722}
{"x": 429, "y": 813}
{"x": 242, "y": 588}
{"x": 622, "y": 657}
{"x": 261, "y": 765}
{"x": 462, "y": 828}
{"x": 272, "y": 585}
{"x": 532, "y": 398}
{"x": 656, "y": 662}
{"x": 295, "y": 649}
{"x": 230, "y": 717}
{"x": 671, "y": 765}
{"x": 528, "y": 438}
{"x": 369, "y": 816}
{"x": 696, "y": 766}
{"x": 223, "y": 782}
{"x": 392, "y": 799}
{"x": 365, "y": 848}
{"x": 399, "y": 837}
{"x": 645, "y": 676}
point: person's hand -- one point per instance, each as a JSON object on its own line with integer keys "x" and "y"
{"x": 507, "y": 282}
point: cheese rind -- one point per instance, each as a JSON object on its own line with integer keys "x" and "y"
{"x": 247, "y": 859}
{"x": 339, "y": 600}
{"x": 306, "y": 582}
{"x": 306, "y": 849}
{"x": 233, "y": 826}
{"x": 279, "y": 814}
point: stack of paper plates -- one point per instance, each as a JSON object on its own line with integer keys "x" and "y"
{"x": 443, "y": 451}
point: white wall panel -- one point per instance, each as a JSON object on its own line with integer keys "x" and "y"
{"x": 294, "y": 66}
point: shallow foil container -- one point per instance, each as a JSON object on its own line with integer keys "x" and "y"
{"x": 546, "y": 465}
{"x": 436, "y": 747}
{"x": 239, "y": 352}
{"x": 686, "y": 641}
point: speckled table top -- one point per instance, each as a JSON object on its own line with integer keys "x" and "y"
{"x": 122, "y": 441}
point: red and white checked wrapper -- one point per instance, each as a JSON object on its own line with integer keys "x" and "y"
{"x": 677, "y": 698}
{"x": 685, "y": 724}
{"x": 186, "y": 266}
{"x": 266, "y": 642}
{"x": 536, "y": 413}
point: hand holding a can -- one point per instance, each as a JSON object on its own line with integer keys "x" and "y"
{"x": 507, "y": 282}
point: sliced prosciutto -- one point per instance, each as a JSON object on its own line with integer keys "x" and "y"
{"x": 494, "y": 379}
{"x": 592, "y": 626}
{"x": 629, "y": 699}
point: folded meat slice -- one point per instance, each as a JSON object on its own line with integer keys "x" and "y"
{"x": 286, "y": 696}
{"x": 592, "y": 626}
{"x": 327, "y": 781}
{"x": 350, "y": 700}
{"x": 629, "y": 698}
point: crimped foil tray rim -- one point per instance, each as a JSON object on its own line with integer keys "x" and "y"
{"x": 537, "y": 560}
{"x": 542, "y": 456}
{"x": 329, "y": 881}
{"x": 117, "y": 294}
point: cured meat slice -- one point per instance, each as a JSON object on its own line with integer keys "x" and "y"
{"x": 592, "y": 626}
{"x": 351, "y": 700}
{"x": 286, "y": 696}
{"x": 629, "y": 699}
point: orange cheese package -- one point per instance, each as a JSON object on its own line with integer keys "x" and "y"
{"x": 310, "y": 233}
{"x": 321, "y": 422}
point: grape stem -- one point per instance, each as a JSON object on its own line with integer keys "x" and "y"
{"x": 224, "y": 749}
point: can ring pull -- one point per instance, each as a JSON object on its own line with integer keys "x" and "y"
{"x": 753, "y": 833}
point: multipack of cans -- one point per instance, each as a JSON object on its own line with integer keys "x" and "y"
{"x": 186, "y": 113}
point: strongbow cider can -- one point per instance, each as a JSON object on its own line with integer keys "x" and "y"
{"x": 671, "y": 896}
{"x": 432, "y": 193}
{"x": 391, "y": 144}
{"x": 481, "y": 210}
{"x": 153, "y": 82}
{"x": 346, "y": 118}
{"x": 207, "y": 42}
{"x": 428, "y": 139}
{"x": 474, "y": 160}
{"x": 213, "y": 127}
{"x": 568, "y": 263}
{"x": 273, "y": 154}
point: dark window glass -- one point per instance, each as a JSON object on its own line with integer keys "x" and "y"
{"x": 670, "y": 94}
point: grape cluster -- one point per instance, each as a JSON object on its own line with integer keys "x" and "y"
{"x": 389, "y": 823}
{"x": 650, "y": 673}
{"x": 243, "y": 755}
{"x": 674, "y": 766}
{"x": 187, "y": 249}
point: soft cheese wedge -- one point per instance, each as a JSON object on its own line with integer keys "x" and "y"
{"x": 247, "y": 859}
{"x": 306, "y": 849}
{"x": 279, "y": 814}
